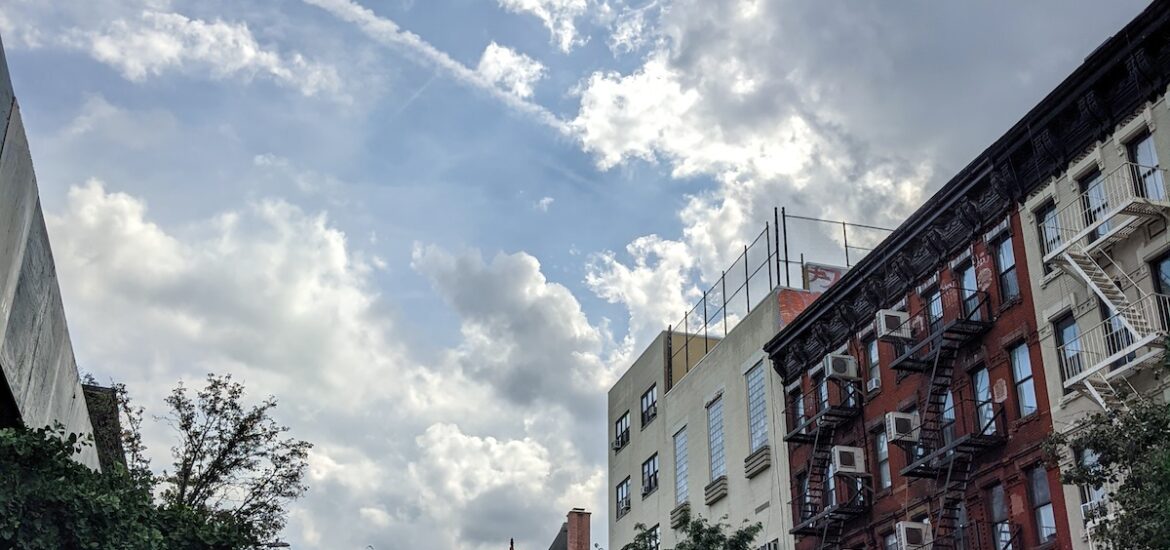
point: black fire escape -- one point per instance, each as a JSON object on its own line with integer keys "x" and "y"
{"x": 958, "y": 420}
{"x": 827, "y": 500}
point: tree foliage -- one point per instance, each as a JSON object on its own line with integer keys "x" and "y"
{"x": 700, "y": 534}
{"x": 48, "y": 501}
{"x": 234, "y": 472}
{"x": 232, "y": 459}
{"x": 1130, "y": 456}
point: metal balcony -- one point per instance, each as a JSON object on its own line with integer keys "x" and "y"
{"x": 848, "y": 498}
{"x": 1110, "y": 349}
{"x": 957, "y": 436}
{"x": 1108, "y": 211}
{"x": 953, "y": 319}
{"x": 823, "y": 408}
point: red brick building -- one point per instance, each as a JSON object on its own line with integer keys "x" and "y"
{"x": 915, "y": 387}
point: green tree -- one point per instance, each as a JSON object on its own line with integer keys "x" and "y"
{"x": 699, "y": 534}
{"x": 232, "y": 459}
{"x": 48, "y": 501}
{"x": 1127, "y": 452}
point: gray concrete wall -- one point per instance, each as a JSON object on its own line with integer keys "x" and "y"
{"x": 36, "y": 355}
{"x": 1059, "y": 293}
{"x": 765, "y": 497}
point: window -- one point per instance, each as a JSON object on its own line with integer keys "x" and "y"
{"x": 872, "y": 360}
{"x": 889, "y": 542}
{"x": 655, "y": 537}
{"x": 981, "y": 383}
{"x": 881, "y": 446}
{"x": 650, "y": 475}
{"x": 1068, "y": 347}
{"x": 715, "y": 438}
{"x": 1091, "y": 496}
{"x": 1001, "y": 530}
{"x": 1117, "y": 337}
{"x": 1161, "y": 271}
{"x": 649, "y": 405}
{"x": 621, "y": 431}
{"x": 822, "y": 392}
{"x": 1095, "y": 203}
{"x": 934, "y": 309}
{"x": 1147, "y": 177}
{"x": 757, "y": 408}
{"x": 680, "y": 466}
{"x": 1048, "y": 228}
{"x": 806, "y": 505}
{"x": 1041, "y": 500}
{"x": 623, "y": 498}
{"x": 948, "y": 418}
{"x": 796, "y": 398}
{"x": 1025, "y": 385}
{"x": 1005, "y": 264}
{"x": 969, "y": 291}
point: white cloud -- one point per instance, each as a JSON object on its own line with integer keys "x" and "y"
{"x": 558, "y": 17}
{"x": 543, "y": 204}
{"x": 281, "y": 299}
{"x": 387, "y": 32}
{"x": 510, "y": 69}
{"x": 158, "y": 42}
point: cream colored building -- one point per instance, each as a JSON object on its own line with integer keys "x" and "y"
{"x": 711, "y": 442}
{"x": 1098, "y": 254}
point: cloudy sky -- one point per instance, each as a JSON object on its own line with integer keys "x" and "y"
{"x": 437, "y": 230}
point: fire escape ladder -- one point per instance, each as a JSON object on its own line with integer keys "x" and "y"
{"x": 931, "y": 434}
{"x": 819, "y": 466}
{"x": 952, "y": 493}
{"x": 832, "y": 534}
{"x": 1087, "y": 269}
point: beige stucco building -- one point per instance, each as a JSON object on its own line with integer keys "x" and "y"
{"x": 710, "y": 442}
{"x": 1098, "y": 254}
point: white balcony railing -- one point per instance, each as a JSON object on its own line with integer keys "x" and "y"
{"x": 1109, "y": 348}
{"x": 1098, "y": 211}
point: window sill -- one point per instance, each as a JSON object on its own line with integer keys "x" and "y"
{"x": 648, "y": 422}
{"x": 1025, "y": 420}
{"x": 1008, "y": 304}
{"x": 651, "y": 492}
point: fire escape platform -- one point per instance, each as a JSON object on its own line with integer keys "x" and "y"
{"x": 815, "y": 525}
{"x": 948, "y": 339}
{"x": 827, "y": 418}
{"x": 965, "y": 447}
{"x": 1136, "y": 211}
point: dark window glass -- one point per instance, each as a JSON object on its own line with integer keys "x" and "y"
{"x": 1094, "y": 203}
{"x": 1005, "y": 265}
{"x": 1068, "y": 347}
{"x": 1147, "y": 177}
{"x": 1049, "y": 230}
{"x": 1041, "y": 499}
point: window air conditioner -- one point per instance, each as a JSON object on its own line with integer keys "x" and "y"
{"x": 652, "y": 410}
{"x": 843, "y": 367}
{"x": 892, "y": 323}
{"x": 617, "y": 444}
{"x": 873, "y": 384}
{"x": 624, "y": 506}
{"x": 848, "y": 460}
{"x": 902, "y": 426}
{"x": 912, "y": 535}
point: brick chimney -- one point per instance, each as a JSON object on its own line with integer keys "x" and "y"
{"x": 578, "y": 529}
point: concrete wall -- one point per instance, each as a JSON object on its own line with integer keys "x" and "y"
{"x": 36, "y": 356}
{"x": 761, "y": 499}
{"x": 1058, "y": 293}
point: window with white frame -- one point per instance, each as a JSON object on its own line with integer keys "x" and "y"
{"x": 873, "y": 363}
{"x": 1005, "y": 265}
{"x": 680, "y": 466}
{"x": 881, "y": 447}
{"x": 1147, "y": 176}
{"x": 1022, "y": 374}
{"x": 715, "y": 438}
{"x": 757, "y": 408}
{"x": 1041, "y": 499}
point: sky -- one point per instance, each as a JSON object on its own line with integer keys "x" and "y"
{"x": 437, "y": 231}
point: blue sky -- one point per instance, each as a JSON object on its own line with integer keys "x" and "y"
{"x": 438, "y": 230}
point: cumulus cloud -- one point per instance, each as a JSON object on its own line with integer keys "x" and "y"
{"x": 558, "y": 16}
{"x": 419, "y": 452}
{"x": 510, "y": 69}
{"x": 157, "y": 42}
{"x": 543, "y": 204}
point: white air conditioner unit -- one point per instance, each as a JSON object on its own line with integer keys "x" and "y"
{"x": 842, "y": 367}
{"x": 624, "y": 506}
{"x": 652, "y": 410}
{"x": 892, "y": 323}
{"x": 617, "y": 445}
{"x": 874, "y": 384}
{"x": 912, "y": 535}
{"x": 902, "y": 426}
{"x": 848, "y": 460}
